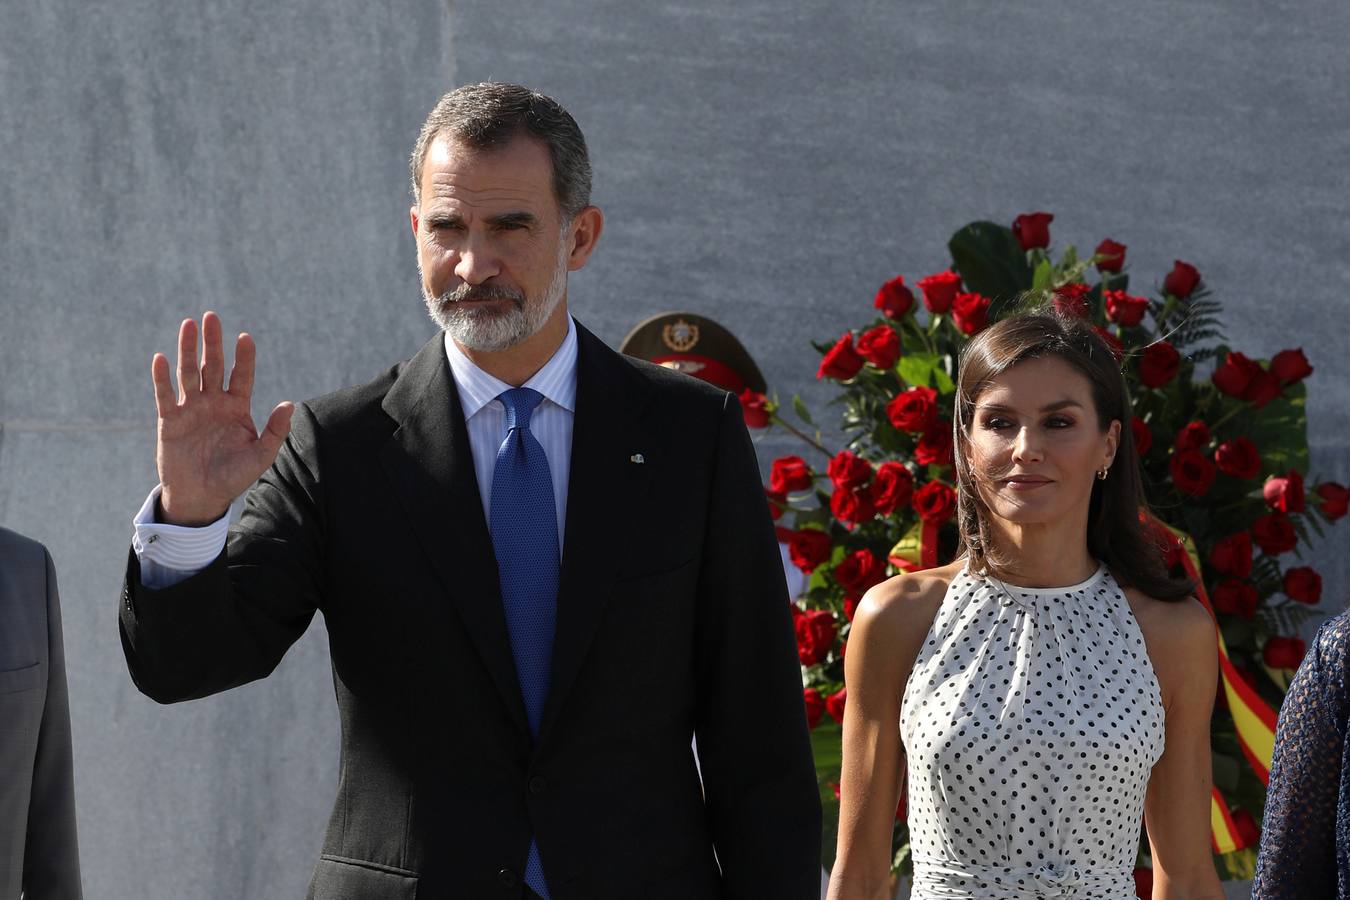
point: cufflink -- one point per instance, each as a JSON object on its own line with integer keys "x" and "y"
{"x": 637, "y": 458}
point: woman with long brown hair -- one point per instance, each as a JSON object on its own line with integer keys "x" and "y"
{"x": 1053, "y": 683}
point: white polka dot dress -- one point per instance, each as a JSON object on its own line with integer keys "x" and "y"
{"x": 1031, "y": 721}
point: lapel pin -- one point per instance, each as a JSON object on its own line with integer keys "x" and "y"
{"x": 637, "y": 458}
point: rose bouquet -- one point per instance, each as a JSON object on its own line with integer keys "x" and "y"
{"x": 1221, "y": 438}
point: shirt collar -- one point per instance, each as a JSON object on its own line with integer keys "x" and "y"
{"x": 557, "y": 380}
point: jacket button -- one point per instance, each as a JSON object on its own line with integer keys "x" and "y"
{"x": 508, "y": 878}
{"x": 538, "y": 784}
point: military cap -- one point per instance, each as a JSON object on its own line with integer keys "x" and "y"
{"x": 698, "y": 346}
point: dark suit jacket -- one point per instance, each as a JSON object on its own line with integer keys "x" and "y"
{"x": 38, "y": 852}
{"x": 672, "y": 621}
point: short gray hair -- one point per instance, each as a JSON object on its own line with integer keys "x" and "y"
{"x": 487, "y": 115}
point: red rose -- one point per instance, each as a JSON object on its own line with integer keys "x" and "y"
{"x": 894, "y": 299}
{"x": 1264, "y": 387}
{"x": 841, "y": 361}
{"x": 755, "y": 407}
{"x": 1193, "y": 436}
{"x": 1247, "y": 831}
{"x": 970, "y": 312}
{"x": 1238, "y": 458}
{"x": 1112, "y": 256}
{"x": 849, "y": 471}
{"x": 1182, "y": 280}
{"x": 859, "y": 571}
{"x": 1192, "y": 473}
{"x": 776, "y": 503}
{"x": 935, "y": 447}
{"x": 1111, "y": 341}
{"x": 1143, "y": 438}
{"x": 1233, "y": 555}
{"x": 1284, "y": 494}
{"x": 815, "y": 706}
{"x": 1072, "y": 300}
{"x": 1235, "y": 598}
{"x": 1274, "y": 534}
{"x": 850, "y": 610}
{"x": 1125, "y": 309}
{"x": 1143, "y": 882}
{"x": 891, "y": 488}
{"x": 1284, "y": 652}
{"x": 808, "y": 548}
{"x": 939, "y": 291}
{"x": 1032, "y": 230}
{"x": 880, "y": 346}
{"x": 835, "y": 704}
{"x": 1290, "y": 366}
{"x": 816, "y": 630}
{"x": 852, "y": 506}
{"x": 1304, "y": 585}
{"x": 1235, "y": 376}
{"x": 1335, "y": 499}
{"x": 1159, "y": 364}
{"x": 935, "y": 502}
{"x": 914, "y": 409}
{"x": 789, "y": 474}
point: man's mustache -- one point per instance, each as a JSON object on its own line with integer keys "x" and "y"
{"x": 471, "y": 292}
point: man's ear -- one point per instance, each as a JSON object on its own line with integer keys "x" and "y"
{"x": 412, "y": 216}
{"x": 584, "y": 233}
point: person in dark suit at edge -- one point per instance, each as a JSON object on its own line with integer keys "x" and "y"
{"x": 542, "y": 566}
{"x": 39, "y": 852}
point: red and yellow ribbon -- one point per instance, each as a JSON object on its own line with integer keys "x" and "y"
{"x": 1253, "y": 718}
{"x": 918, "y": 549}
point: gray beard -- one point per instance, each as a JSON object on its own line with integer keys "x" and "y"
{"x": 499, "y": 327}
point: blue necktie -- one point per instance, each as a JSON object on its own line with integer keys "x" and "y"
{"x": 525, "y": 541}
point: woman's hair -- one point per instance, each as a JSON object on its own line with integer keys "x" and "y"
{"x": 1116, "y": 532}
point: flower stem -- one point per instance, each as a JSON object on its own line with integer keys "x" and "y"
{"x": 792, "y": 429}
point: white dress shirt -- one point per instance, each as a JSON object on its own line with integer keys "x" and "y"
{"x": 170, "y": 553}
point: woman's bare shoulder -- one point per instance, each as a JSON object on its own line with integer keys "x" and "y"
{"x": 1179, "y": 636}
{"x": 907, "y": 603}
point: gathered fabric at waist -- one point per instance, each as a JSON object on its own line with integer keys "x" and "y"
{"x": 942, "y": 879}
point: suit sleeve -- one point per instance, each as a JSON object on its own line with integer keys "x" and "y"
{"x": 753, "y": 741}
{"x": 232, "y": 622}
{"x": 51, "y": 865}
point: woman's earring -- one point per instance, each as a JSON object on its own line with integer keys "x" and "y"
{"x": 1101, "y": 475}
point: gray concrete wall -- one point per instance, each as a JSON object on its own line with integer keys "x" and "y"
{"x": 768, "y": 164}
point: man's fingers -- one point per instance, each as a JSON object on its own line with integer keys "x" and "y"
{"x": 278, "y": 426}
{"x": 241, "y": 376}
{"x": 213, "y": 355}
{"x": 159, "y": 374}
{"x": 189, "y": 378}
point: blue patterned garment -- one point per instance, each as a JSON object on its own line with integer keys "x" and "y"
{"x": 1305, "y": 842}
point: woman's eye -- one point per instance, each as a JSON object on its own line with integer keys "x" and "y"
{"x": 997, "y": 424}
{"x": 1058, "y": 422}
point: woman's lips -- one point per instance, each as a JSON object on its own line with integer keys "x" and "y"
{"x": 1026, "y": 484}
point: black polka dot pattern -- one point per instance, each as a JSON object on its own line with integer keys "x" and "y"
{"x": 1031, "y": 720}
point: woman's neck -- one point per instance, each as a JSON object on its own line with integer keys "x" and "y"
{"x": 1052, "y": 554}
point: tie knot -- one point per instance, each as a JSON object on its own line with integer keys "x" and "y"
{"x": 519, "y": 403}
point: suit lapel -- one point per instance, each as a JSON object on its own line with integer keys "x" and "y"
{"x": 606, "y": 434}
{"x": 431, "y": 467}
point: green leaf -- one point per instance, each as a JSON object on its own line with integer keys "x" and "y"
{"x": 1043, "y": 277}
{"x": 917, "y": 368}
{"x": 991, "y": 262}
{"x": 944, "y": 382}
{"x": 803, "y": 413}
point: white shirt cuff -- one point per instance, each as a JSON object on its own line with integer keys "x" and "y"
{"x": 172, "y": 553}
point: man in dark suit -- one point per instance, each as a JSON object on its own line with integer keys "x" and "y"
{"x": 543, "y": 567}
{"x": 39, "y": 858}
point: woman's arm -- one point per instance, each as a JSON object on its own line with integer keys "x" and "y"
{"x": 1184, "y": 652}
{"x": 1298, "y": 842}
{"x": 888, "y": 630}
